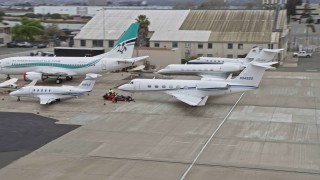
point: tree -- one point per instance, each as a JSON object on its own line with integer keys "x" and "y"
{"x": 144, "y": 22}
{"x": 52, "y": 32}
{"x": 211, "y": 3}
{"x": 291, "y": 7}
{"x": 1, "y": 15}
{"x": 299, "y": 2}
{"x": 28, "y": 29}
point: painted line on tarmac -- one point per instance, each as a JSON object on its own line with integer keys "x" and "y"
{"x": 208, "y": 141}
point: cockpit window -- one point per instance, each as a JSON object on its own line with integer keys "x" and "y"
{"x": 131, "y": 82}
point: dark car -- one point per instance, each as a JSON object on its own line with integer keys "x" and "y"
{"x": 41, "y": 45}
{"x": 12, "y": 44}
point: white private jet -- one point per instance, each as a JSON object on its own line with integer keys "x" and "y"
{"x": 218, "y": 60}
{"x": 11, "y": 83}
{"x": 49, "y": 94}
{"x": 196, "y": 92}
{"x": 40, "y": 68}
{"x": 217, "y": 70}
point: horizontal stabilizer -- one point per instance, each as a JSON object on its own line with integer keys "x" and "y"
{"x": 10, "y": 82}
{"x": 273, "y": 50}
{"x": 265, "y": 65}
{"x": 132, "y": 60}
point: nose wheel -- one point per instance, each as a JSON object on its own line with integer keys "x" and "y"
{"x": 18, "y": 99}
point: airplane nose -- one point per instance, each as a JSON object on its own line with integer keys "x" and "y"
{"x": 122, "y": 87}
{"x": 14, "y": 93}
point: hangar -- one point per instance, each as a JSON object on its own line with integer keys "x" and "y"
{"x": 222, "y": 33}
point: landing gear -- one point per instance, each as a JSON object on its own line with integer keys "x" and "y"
{"x": 58, "y": 81}
{"x": 69, "y": 78}
{"x": 18, "y": 99}
{"x": 8, "y": 77}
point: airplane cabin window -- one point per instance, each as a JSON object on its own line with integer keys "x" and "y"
{"x": 149, "y": 86}
{"x": 156, "y": 86}
{"x": 170, "y": 86}
{"x": 163, "y": 86}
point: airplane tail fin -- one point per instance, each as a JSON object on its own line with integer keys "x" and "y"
{"x": 89, "y": 81}
{"x": 252, "y": 75}
{"x": 266, "y": 55}
{"x": 252, "y": 53}
{"x": 123, "y": 48}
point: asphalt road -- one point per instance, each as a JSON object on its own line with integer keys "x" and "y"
{"x": 11, "y": 52}
{"x": 305, "y": 64}
{"x": 21, "y": 133}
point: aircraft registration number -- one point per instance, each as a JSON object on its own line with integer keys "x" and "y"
{"x": 246, "y": 78}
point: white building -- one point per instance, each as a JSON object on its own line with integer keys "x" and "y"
{"x": 222, "y": 33}
{"x": 86, "y": 10}
{"x": 5, "y": 34}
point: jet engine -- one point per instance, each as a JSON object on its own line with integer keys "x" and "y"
{"x": 30, "y": 76}
{"x": 210, "y": 85}
{"x": 229, "y": 67}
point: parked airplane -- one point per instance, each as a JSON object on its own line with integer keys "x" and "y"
{"x": 49, "y": 94}
{"x": 218, "y": 60}
{"x": 217, "y": 70}
{"x": 11, "y": 83}
{"x": 40, "y": 68}
{"x": 196, "y": 92}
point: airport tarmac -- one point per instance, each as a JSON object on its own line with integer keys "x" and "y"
{"x": 269, "y": 133}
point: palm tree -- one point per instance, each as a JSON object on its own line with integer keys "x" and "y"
{"x": 144, "y": 22}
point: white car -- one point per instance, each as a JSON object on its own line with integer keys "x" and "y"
{"x": 24, "y": 44}
{"x": 302, "y": 54}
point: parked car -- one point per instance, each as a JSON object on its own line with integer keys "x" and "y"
{"x": 12, "y": 44}
{"x": 41, "y": 45}
{"x": 24, "y": 44}
{"x": 302, "y": 54}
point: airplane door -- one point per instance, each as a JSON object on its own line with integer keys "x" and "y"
{"x": 103, "y": 65}
{"x": 136, "y": 85}
{"x": 31, "y": 90}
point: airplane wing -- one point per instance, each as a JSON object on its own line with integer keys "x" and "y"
{"x": 9, "y": 83}
{"x": 132, "y": 60}
{"x": 48, "y": 98}
{"x": 138, "y": 68}
{"x": 189, "y": 99}
{"x": 33, "y": 83}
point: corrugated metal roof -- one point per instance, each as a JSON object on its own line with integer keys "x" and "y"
{"x": 251, "y": 26}
{"x": 232, "y": 25}
{"x": 117, "y": 21}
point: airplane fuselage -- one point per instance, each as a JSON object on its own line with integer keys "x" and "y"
{"x": 69, "y": 65}
{"x": 201, "y": 69}
{"x": 191, "y": 87}
{"x": 34, "y": 91}
{"x": 217, "y": 60}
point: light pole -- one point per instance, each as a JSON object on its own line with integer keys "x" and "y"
{"x": 103, "y": 28}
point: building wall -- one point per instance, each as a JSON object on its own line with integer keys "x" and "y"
{"x": 5, "y": 36}
{"x": 193, "y": 49}
{"x": 160, "y": 57}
